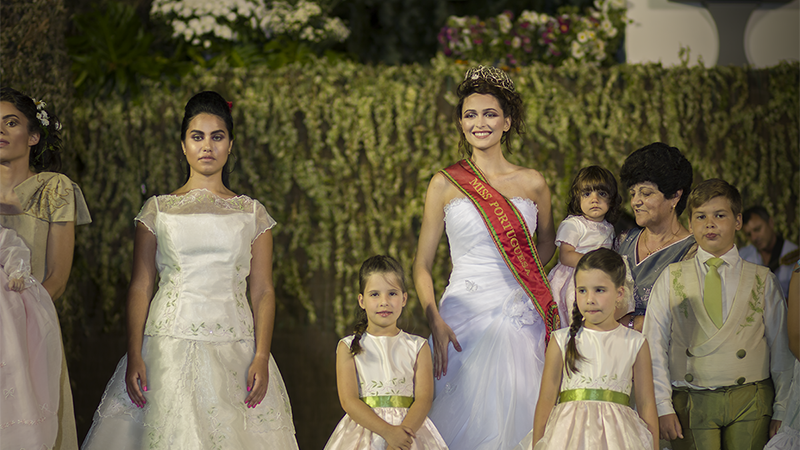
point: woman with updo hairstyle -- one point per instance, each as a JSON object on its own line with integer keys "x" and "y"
{"x": 43, "y": 207}
{"x": 199, "y": 373}
{"x": 659, "y": 179}
{"x": 497, "y": 309}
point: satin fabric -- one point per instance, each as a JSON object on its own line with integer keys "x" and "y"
{"x": 592, "y": 424}
{"x": 352, "y": 436}
{"x": 486, "y": 400}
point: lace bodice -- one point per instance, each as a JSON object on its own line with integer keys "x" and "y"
{"x": 203, "y": 258}
{"x": 609, "y": 358}
{"x": 386, "y": 364}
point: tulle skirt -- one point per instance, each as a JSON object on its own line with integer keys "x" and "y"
{"x": 349, "y": 435}
{"x": 595, "y": 425}
{"x": 195, "y": 400}
{"x": 487, "y": 399}
{"x": 30, "y": 367}
{"x": 788, "y": 437}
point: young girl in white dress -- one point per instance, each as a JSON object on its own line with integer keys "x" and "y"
{"x": 593, "y": 202}
{"x": 384, "y": 375}
{"x": 198, "y": 373}
{"x": 30, "y": 352}
{"x": 589, "y": 369}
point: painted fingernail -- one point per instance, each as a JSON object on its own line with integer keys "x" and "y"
{"x": 248, "y": 388}
{"x": 145, "y": 388}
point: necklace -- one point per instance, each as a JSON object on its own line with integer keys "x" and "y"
{"x": 664, "y": 244}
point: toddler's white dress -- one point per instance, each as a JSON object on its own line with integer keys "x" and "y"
{"x": 385, "y": 371}
{"x": 30, "y": 353}
{"x": 606, "y": 373}
{"x": 585, "y": 235}
{"x": 199, "y": 341}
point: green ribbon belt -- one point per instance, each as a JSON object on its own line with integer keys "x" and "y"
{"x": 603, "y": 395}
{"x": 388, "y": 401}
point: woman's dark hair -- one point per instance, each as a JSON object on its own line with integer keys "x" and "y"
{"x": 510, "y": 102}
{"x": 208, "y": 102}
{"x": 381, "y": 264}
{"x": 662, "y": 165}
{"x": 595, "y": 178}
{"x": 612, "y": 265}
{"x": 46, "y": 154}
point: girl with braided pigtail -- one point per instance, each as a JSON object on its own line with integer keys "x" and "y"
{"x": 592, "y": 380}
{"x": 384, "y": 375}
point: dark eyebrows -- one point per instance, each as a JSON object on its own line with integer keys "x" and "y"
{"x": 201, "y": 132}
{"x": 8, "y": 116}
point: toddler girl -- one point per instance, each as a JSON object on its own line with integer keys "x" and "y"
{"x": 30, "y": 352}
{"x": 384, "y": 375}
{"x": 589, "y": 369}
{"x": 593, "y": 201}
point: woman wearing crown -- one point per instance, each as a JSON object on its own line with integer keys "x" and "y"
{"x": 497, "y": 310}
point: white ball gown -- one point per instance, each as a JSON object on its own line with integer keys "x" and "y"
{"x": 487, "y": 399}
{"x": 199, "y": 341}
{"x": 596, "y": 424}
{"x": 385, "y": 371}
{"x": 30, "y": 354}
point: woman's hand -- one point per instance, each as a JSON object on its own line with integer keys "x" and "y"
{"x": 399, "y": 437}
{"x": 443, "y": 335}
{"x": 136, "y": 380}
{"x": 257, "y": 381}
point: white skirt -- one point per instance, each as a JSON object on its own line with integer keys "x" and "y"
{"x": 589, "y": 424}
{"x": 195, "y": 400}
{"x": 349, "y": 435}
{"x": 30, "y": 367}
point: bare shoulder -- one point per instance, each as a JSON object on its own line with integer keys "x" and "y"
{"x": 440, "y": 191}
{"x": 533, "y": 182}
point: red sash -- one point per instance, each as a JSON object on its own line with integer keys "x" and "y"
{"x": 511, "y": 236}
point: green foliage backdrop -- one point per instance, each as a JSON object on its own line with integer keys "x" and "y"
{"x": 341, "y": 155}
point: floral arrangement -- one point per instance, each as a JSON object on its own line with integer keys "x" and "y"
{"x": 208, "y": 21}
{"x": 593, "y": 37}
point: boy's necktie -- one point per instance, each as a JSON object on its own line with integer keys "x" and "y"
{"x": 712, "y": 291}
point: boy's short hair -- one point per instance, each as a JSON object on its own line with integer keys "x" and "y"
{"x": 713, "y": 188}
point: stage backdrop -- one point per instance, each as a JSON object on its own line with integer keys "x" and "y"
{"x": 341, "y": 156}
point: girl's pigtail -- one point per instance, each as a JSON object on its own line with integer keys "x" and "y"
{"x": 572, "y": 354}
{"x": 360, "y": 329}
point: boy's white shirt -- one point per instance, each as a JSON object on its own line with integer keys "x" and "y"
{"x": 658, "y": 323}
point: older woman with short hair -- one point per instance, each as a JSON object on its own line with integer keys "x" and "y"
{"x": 658, "y": 178}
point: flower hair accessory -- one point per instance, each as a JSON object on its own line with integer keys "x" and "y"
{"x": 230, "y": 106}
{"x": 492, "y": 75}
{"x": 44, "y": 118}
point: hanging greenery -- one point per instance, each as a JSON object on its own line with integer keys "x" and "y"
{"x": 341, "y": 155}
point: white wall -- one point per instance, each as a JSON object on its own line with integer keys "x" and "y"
{"x": 660, "y": 28}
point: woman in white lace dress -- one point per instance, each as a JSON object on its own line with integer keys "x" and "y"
{"x": 487, "y": 381}
{"x": 198, "y": 373}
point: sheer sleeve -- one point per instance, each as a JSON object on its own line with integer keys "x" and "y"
{"x": 15, "y": 256}
{"x": 264, "y": 221}
{"x": 147, "y": 216}
{"x": 570, "y": 231}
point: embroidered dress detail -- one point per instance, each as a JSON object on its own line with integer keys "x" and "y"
{"x": 510, "y": 233}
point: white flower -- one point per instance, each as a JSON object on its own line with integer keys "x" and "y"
{"x": 516, "y": 42}
{"x": 608, "y": 28}
{"x": 577, "y": 50}
{"x": 583, "y": 37}
{"x": 529, "y": 16}
{"x": 58, "y": 126}
{"x": 505, "y": 23}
